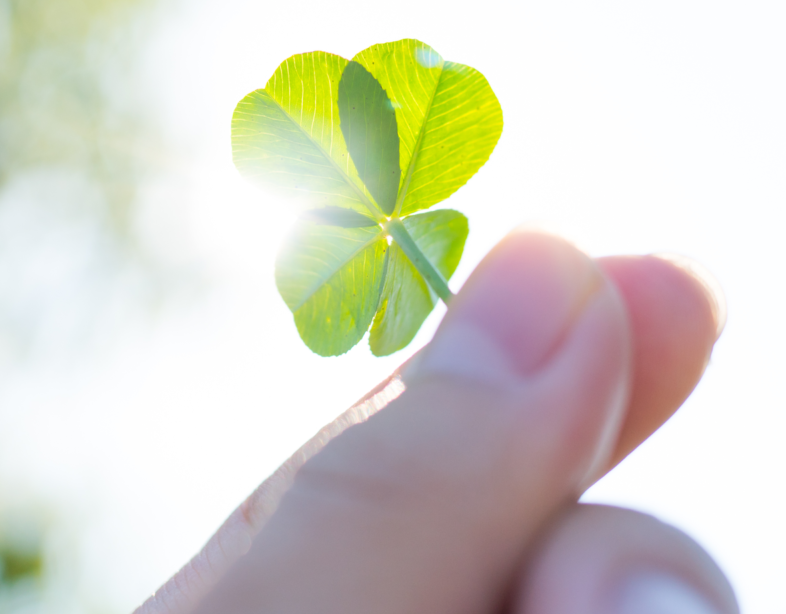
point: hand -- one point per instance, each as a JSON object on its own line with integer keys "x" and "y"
{"x": 460, "y": 496}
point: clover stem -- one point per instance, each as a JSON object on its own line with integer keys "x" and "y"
{"x": 407, "y": 244}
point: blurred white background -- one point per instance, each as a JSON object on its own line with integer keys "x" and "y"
{"x": 150, "y": 375}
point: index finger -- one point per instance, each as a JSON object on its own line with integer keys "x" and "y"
{"x": 677, "y": 311}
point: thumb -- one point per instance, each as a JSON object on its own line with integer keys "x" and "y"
{"x": 430, "y": 504}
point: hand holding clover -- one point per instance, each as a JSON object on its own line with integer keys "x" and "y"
{"x": 453, "y": 486}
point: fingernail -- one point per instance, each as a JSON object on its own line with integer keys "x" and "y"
{"x": 513, "y": 311}
{"x": 708, "y": 282}
{"x": 658, "y": 593}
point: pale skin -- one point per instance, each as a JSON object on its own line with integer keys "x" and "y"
{"x": 459, "y": 496}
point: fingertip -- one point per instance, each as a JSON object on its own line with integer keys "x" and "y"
{"x": 539, "y": 318}
{"x": 618, "y": 561}
{"x": 709, "y": 284}
{"x": 670, "y": 293}
{"x": 675, "y": 321}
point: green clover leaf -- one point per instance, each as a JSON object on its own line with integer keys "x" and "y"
{"x": 360, "y": 146}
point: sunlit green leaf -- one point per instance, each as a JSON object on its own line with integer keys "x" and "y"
{"x": 287, "y": 135}
{"x": 364, "y": 144}
{"x": 448, "y": 116}
{"x": 331, "y": 279}
{"x": 19, "y": 564}
{"x": 336, "y": 216}
{"x": 368, "y": 123}
{"x": 406, "y": 297}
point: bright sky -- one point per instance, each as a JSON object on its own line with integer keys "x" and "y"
{"x": 630, "y": 127}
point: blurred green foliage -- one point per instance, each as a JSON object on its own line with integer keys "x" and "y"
{"x": 73, "y": 103}
{"x": 17, "y": 565}
{"x": 67, "y": 104}
{"x": 23, "y": 570}
{"x": 64, "y": 100}
{"x": 81, "y": 143}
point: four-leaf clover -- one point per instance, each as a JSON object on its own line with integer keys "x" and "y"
{"x": 362, "y": 146}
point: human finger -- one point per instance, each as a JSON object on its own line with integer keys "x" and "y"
{"x": 677, "y": 312}
{"x": 617, "y": 561}
{"x": 428, "y": 505}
